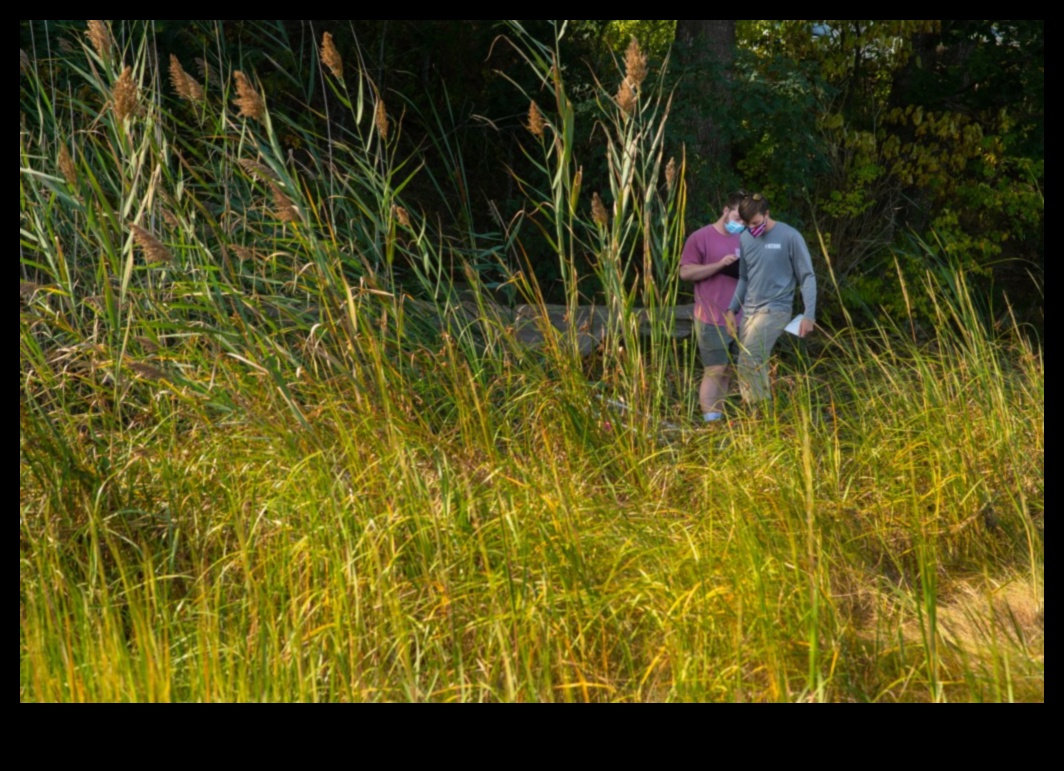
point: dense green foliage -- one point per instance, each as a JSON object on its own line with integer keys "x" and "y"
{"x": 280, "y": 440}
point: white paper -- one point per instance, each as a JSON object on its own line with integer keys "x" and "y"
{"x": 795, "y": 327}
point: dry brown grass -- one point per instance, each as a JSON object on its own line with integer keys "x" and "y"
{"x": 670, "y": 174}
{"x": 402, "y": 216}
{"x": 626, "y": 98}
{"x": 24, "y": 61}
{"x": 247, "y": 100}
{"x": 330, "y": 57}
{"x": 147, "y": 372}
{"x": 635, "y": 64}
{"x": 207, "y": 72}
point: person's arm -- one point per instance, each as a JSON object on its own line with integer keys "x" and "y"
{"x": 739, "y": 300}
{"x": 696, "y": 273}
{"x": 802, "y": 264}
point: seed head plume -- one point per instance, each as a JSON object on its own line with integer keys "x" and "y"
{"x": 536, "y": 124}
{"x": 152, "y": 248}
{"x": 635, "y": 64}
{"x": 244, "y": 253}
{"x": 100, "y": 38}
{"x": 207, "y": 72}
{"x": 23, "y": 61}
{"x": 125, "y": 98}
{"x": 626, "y": 98}
{"x": 670, "y": 174}
{"x": 598, "y": 211}
{"x": 402, "y": 215}
{"x": 185, "y": 86}
{"x": 283, "y": 208}
{"x": 259, "y": 171}
{"x": 66, "y": 166}
{"x": 381, "y": 119}
{"x": 330, "y": 57}
{"x": 248, "y": 99}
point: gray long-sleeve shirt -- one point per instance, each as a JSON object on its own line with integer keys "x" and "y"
{"x": 770, "y": 270}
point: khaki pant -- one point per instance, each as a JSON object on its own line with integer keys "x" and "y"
{"x": 758, "y": 337}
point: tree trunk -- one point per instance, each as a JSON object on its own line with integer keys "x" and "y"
{"x": 706, "y": 54}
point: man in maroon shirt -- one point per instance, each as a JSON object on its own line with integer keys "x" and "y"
{"x": 710, "y": 261}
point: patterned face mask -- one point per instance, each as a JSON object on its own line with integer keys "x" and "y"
{"x": 759, "y": 230}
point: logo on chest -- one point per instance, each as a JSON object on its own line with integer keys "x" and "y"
{"x": 774, "y": 247}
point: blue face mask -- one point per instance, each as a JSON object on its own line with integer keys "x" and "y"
{"x": 734, "y": 228}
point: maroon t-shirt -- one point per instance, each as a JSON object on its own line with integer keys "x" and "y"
{"x": 714, "y": 295}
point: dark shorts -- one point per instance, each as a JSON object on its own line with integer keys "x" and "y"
{"x": 716, "y": 346}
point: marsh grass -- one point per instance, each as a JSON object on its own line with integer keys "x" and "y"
{"x": 281, "y": 465}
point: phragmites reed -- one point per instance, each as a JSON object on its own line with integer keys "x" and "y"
{"x": 244, "y": 253}
{"x": 635, "y": 64}
{"x": 100, "y": 38}
{"x": 207, "y": 72}
{"x": 67, "y": 167}
{"x": 381, "y": 119}
{"x": 283, "y": 208}
{"x": 402, "y": 215}
{"x": 259, "y": 171}
{"x": 536, "y": 124}
{"x": 125, "y": 98}
{"x": 27, "y": 289}
{"x": 185, "y": 86}
{"x": 635, "y": 72}
{"x": 670, "y": 174}
{"x": 23, "y": 61}
{"x": 626, "y": 98}
{"x": 155, "y": 253}
{"x": 330, "y": 57}
{"x": 598, "y": 211}
{"x": 248, "y": 99}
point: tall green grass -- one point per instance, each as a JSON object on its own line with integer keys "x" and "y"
{"x": 294, "y": 462}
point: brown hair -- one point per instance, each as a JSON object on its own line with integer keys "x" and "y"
{"x": 735, "y": 200}
{"x": 752, "y": 206}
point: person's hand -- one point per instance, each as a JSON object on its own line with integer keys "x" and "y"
{"x": 733, "y": 326}
{"x": 806, "y": 328}
{"x": 731, "y": 259}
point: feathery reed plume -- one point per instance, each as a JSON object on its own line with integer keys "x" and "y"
{"x": 66, "y": 47}
{"x": 626, "y": 98}
{"x": 154, "y": 251}
{"x": 170, "y": 218}
{"x": 283, "y": 208}
{"x": 185, "y": 85}
{"x": 259, "y": 171}
{"x": 67, "y": 167}
{"x": 402, "y": 215}
{"x": 578, "y": 183}
{"x": 536, "y": 124}
{"x": 27, "y": 289}
{"x": 381, "y": 119}
{"x": 207, "y": 72}
{"x": 635, "y": 64}
{"x": 248, "y": 99}
{"x": 147, "y": 372}
{"x": 125, "y": 98}
{"x": 598, "y": 211}
{"x": 330, "y": 57}
{"x": 100, "y": 38}
{"x": 23, "y": 61}
{"x": 670, "y": 174}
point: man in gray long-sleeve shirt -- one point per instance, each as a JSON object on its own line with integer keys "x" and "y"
{"x": 775, "y": 262}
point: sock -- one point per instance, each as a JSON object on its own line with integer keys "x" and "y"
{"x": 712, "y": 417}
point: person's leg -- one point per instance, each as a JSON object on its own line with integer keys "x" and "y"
{"x": 758, "y": 337}
{"x": 714, "y": 345}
